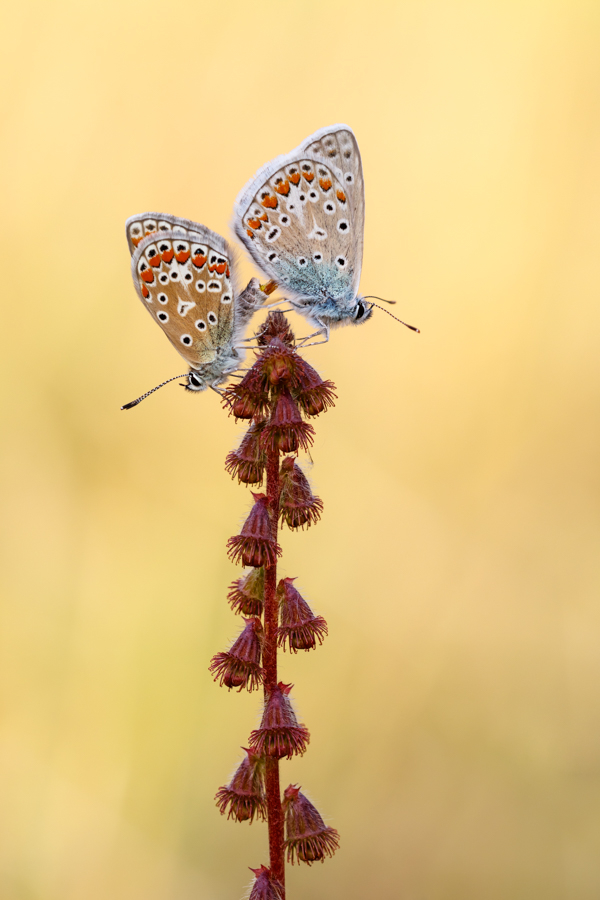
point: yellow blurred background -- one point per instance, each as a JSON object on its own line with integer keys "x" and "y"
{"x": 455, "y": 706}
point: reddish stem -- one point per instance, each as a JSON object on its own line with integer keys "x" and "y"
{"x": 271, "y": 619}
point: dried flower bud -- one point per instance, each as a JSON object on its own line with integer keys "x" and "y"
{"x": 276, "y": 325}
{"x": 244, "y": 797}
{"x": 285, "y": 430}
{"x": 308, "y": 839}
{"x": 279, "y": 733}
{"x": 249, "y": 460}
{"x": 312, "y": 393}
{"x": 254, "y": 546}
{"x": 248, "y": 398}
{"x": 297, "y": 504}
{"x": 247, "y": 594}
{"x": 240, "y": 666}
{"x": 299, "y": 626}
{"x": 266, "y": 886}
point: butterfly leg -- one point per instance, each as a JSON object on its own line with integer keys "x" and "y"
{"x": 323, "y": 330}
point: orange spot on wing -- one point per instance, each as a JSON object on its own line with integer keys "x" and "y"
{"x": 295, "y": 178}
{"x": 155, "y": 261}
{"x": 148, "y": 276}
{"x": 227, "y": 273}
{"x": 219, "y": 268}
{"x": 270, "y": 202}
{"x": 199, "y": 260}
{"x": 135, "y": 241}
{"x": 325, "y": 184}
{"x": 145, "y": 292}
{"x": 255, "y": 223}
{"x": 309, "y": 175}
{"x": 283, "y": 188}
{"x": 250, "y": 233}
{"x": 183, "y": 256}
{"x": 168, "y": 255}
{"x": 341, "y": 196}
{"x": 264, "y": 218}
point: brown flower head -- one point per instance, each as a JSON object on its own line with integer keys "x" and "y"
{"x": 275, "y": 326}
{"x": 308, "y": 839}
{"x": 247, "y": 594}
{"x": 279, "y": 733}
{"x": 298, "y": 505}
{"x": 248, "y": 398}
{"x": 254, "y": 546}
{"x": 266, "y": 886}
{"x": 285, "y": 429}
{"x": 240, "y": 666}
{"x": 249, "y": 460}
{"x": 312, "y": 393}
{"x": 244, "y": 797}
{"x": 299, "y": 625}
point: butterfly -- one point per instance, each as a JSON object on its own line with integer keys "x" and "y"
{"x": 184, "y": 275}
{"x": 301, "y": 218}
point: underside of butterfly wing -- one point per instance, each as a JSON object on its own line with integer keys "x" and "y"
{"x": 301, "y": 217}
{"x": 184, "y": 281}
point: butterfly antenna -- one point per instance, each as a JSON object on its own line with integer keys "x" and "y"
{"x": 147, "y": 394}
{"x": 391, "y": 302}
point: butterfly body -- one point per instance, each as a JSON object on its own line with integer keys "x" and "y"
{"x": 184, "y": 275}
{"x": 301, "y": 218}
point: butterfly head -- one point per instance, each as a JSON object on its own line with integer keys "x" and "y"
{"x": 196, "y": 381}
{"x": 362, "y": 311}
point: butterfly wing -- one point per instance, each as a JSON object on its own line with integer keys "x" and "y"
{"x": 183, "y": 276}
{"x": 301, "y": 217}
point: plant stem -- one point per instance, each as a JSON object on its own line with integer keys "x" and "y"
{"x": 271, "y": 620}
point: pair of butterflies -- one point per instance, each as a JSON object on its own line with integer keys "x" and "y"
{"x": 301, "y": 218}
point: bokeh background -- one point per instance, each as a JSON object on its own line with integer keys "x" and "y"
{"x": 455, "y": 706}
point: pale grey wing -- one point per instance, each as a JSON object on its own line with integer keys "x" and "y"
{"x": 300, "y": 220}
{"x": 143, "y": 224}
{"x": 337, "y": 146}
{"x": 184, "y": 281}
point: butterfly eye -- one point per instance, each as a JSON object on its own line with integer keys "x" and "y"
{"x": 200, "y": 325}
{"x": 186, "y": 339}
{"x": 212, "y": 318}
{"x": 194, "y": 381}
